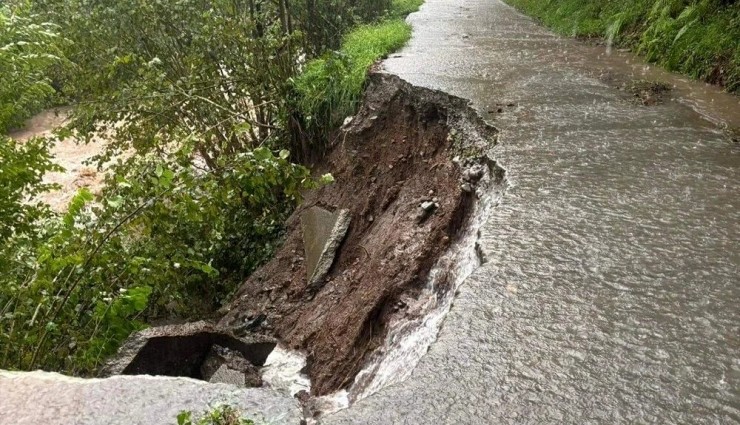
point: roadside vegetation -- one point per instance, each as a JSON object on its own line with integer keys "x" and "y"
{"x": 700, "y": 38}
{"x": 211, "y": 111}
{"x": 221, "y": 415}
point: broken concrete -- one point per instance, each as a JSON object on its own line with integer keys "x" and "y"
{"x": 323, "y": 232}
{"x": 33, "y": 398}
{"x": 226, "y": 366}
{"x": 180, "y": 350}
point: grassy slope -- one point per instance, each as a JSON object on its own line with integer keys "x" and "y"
{"x": 700, "y": 38}
{"x": 331, "y": 86}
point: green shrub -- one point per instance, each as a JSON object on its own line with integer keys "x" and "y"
{"x": 222, "y": 415}
{"x": 194, "y": 95}
{"x": 164, "y": 239}
{"x": 28, "y": 50}
{"x": 330, "y": 87}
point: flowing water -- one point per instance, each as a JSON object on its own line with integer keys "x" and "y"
{"x": 611, "y": 290}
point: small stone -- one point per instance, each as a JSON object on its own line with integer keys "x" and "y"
{"x": 428, "y": 206}
{"x": 370, "y": 218}
{"x": 435, "y": 200}
{"x": 347, "y": 121}
{"x": 473, "y": 174}
{"x": 466, "y": 187}
{"x": 431, "y": 192}
{"x": 466, "y": 36}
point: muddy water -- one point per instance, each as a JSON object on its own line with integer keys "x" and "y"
{"x": 611, "y": 294}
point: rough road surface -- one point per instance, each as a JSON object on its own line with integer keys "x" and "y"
{"x": 34, "y": 398}
{"x": 611, "y": 293}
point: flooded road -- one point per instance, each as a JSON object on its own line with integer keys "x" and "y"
{"x": 611, "y": 290}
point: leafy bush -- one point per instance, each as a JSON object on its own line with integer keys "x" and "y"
{"x": 330, "y": 87}
{"x": 699, "y": 38}
{"x": 163, "y": 240}
{"x": 194, "y": 99}
{"x": 28, "y": 50}
{"x": 223, "y": 415}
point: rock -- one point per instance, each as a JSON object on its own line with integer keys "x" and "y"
{"x": 428, "y": 206}
{"x": 323, "y": 232}
{"x": 466, "y": 187}
{"x": 473, "y": 174}
{"x": 427, "y": 209}
{"x": 226, "y": 366}
{"x": 466, "y": 36}
{"x": 32, "y": 398}
{"x": 180, "y": 350}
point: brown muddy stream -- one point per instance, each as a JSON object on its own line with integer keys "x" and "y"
{"x": 611, "y": 289}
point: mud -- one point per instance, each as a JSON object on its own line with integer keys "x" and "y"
{"x": 405, "y": 168}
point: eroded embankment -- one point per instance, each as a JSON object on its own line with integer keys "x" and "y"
{"x": 407, "y": 169}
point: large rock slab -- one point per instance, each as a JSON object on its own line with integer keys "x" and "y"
{"x": 323, "y": 232}
{"x": 33, "y": 398}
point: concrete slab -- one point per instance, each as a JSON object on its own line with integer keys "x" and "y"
{"x": 323, "y": 232}
{"x": 32, "y": 398}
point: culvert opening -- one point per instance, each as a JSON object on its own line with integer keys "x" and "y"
{"x": 194, "y": 350}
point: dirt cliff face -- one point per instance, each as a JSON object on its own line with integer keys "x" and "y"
{"x": 408, "y": 199}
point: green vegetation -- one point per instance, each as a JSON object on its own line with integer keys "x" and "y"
{"x": 330, "y": 87}
{"x": 208, "y": 108}
{"x": 700, "y": 38}
{"x": 223, "y": 415}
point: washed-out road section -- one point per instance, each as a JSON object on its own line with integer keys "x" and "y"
{"x": 611, "y": 290}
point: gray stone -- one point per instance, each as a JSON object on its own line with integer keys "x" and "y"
{"x": 180, "y": 350}
{"x": 226, "y": 366}
{"x": 32, "y": 398}
{"x": 323, "y": 232}
{"x": 428, "y": 206}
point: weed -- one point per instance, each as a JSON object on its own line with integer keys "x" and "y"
{"x": 222, "y": 415}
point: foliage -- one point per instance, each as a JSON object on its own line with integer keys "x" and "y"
{"x": 222, "y": 415}
{"x": 164, "y": 239}
{"x": 217, "y": 69}
{"x": 401, "y": 8}
{"x": 196, "y": 99}
{"x": 28, "y": 50}
{"x": 330, "y": 87}
{"x": 700, "y": 38}
{"x": 22, "y": 167}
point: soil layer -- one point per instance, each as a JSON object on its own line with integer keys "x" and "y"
{"x": 405, "y": 168}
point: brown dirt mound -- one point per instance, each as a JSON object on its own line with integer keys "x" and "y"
{"x": 396, "y": 154}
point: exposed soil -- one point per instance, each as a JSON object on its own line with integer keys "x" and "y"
{"x": 394, "y": 156}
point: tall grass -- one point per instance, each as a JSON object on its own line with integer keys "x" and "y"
{"x": 700, "y": 38}
{"x": 329, "y": 89}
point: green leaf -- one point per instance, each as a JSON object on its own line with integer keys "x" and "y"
{"x": 115, "y": 201}
{"x": 326, "y": 179}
